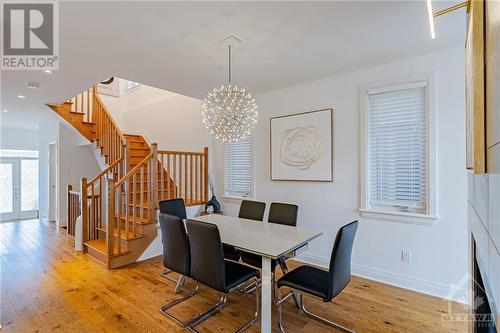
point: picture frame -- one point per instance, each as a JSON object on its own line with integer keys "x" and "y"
{"x": 301, "y": 146}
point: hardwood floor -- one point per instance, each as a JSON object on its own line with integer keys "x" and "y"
{"x": 47, "y": 287}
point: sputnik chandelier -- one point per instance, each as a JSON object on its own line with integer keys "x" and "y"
{"x": 229, "y": 112}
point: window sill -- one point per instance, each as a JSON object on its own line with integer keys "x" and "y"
{"x": 401, "y": 217}
{"x": 234, "y": 198}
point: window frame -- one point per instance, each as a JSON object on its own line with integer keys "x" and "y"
{"x": 251, "y": 194}
{"x": 381, "y": 213}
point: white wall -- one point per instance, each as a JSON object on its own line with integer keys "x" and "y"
{"x": 75, "y": 161}
{"x": 48, "y": 132}
{"x": 17, "y": 138}
{"x": 171, "y": 120}
{"x": 174, "y": 123}
{"x": 439, "y": 252}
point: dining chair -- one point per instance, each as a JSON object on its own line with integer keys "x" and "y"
{"x": 279, "y": 213}
{"x": 174, "y": 207}
{"x": 320, "y": 283}
{"x": 252, "y": 210}
{"x": 209, "y": 267}
{"x": 176, "y": 257}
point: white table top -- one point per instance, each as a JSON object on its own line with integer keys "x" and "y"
{"x": 262, "y": 238}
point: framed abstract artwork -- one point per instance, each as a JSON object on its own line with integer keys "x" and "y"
{"x": 302, "y": 146}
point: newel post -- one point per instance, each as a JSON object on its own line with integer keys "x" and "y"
{"x": 69, "y": 207}
{"x": 154, "y": 204}
{"x": 84, "y": 208}
{"x": 205, "y": 171}
{"x": 111, "y": 218}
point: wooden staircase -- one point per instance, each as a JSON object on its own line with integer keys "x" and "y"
{"x": 119, "y": 206}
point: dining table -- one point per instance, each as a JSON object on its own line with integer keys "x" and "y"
{"x": 267, "y": 240}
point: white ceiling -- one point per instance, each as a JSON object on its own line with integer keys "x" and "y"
{"x": 173, "y": 45}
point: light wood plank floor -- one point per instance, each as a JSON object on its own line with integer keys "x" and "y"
{"x": 47, "y": 287}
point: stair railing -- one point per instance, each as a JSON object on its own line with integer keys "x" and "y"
{"x": 133, "y": 198}
{"x": 187, "y": 176}
{"x": 107, "y": 133}
{"x": 73, "y": 210}
{"x": 93, "y": 199}
{"x": 84, "y": 103}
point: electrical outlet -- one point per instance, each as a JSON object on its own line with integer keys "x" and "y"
{"x": 406, "y": 256}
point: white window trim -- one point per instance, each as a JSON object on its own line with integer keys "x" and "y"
{"x": 229, "y": 197}
{"x": 365, "y": 210}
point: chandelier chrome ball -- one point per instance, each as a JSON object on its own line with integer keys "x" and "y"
{"x": 229, "y": 113}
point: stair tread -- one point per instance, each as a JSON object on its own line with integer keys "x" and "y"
{"x": 138, "y": 219}
{"x": 100, "y": 245}
{"x": 124, "y": 235}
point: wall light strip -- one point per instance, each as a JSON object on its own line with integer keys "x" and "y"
{"x": 431, "y": 18}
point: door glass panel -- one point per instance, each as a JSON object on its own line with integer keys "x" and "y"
{"x": 29, "y": 185}
{"x": 6, "y": 188}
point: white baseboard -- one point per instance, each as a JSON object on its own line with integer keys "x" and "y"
{"x": 431, "y": 288}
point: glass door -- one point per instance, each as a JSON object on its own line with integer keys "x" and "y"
{"x": 18, "y": 188}
{"x": 9, "y": 189}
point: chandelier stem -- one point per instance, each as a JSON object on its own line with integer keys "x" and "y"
{"x": 229, "y": 64}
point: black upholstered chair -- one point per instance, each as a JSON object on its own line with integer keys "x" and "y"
{"x": 209, "y": 267}
{"x": 176, "y": 257}
{"x": 282, "y": 213}
{"x": 252, "y": 210}
{"x": 317, "y": 282}
{"x": 279, "y": 213}
{"x": 174, "y": 207}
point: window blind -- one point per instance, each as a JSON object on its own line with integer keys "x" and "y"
{"x": 398, "y": 148}
{"x": 238, "y": 168}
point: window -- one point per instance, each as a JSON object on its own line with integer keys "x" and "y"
{"x": 238, "y": 168}
{"x": 398, "y": 167}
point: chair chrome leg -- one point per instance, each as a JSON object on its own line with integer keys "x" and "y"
{"x": 179, "y": 282}
{"x": 167, "y": 306}
{"x": 307, "y": 312}
{"x": 325, "y": 321}
{"x": 250, "y": 288}
{"x": 284, "y": 269}
{"x": 257, "y": 310}
{"x": 203, "y": 316}
{"x": 279, "y": 303}
{"x": 218, "y": 307}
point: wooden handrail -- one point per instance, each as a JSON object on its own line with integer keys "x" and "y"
{"x": 105, "y": 171}
{"x": 124, "y": 204}
{"x": 134, "y": 170}
{"x": 175, "y": 152}
{"x": 99, "y": 100}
